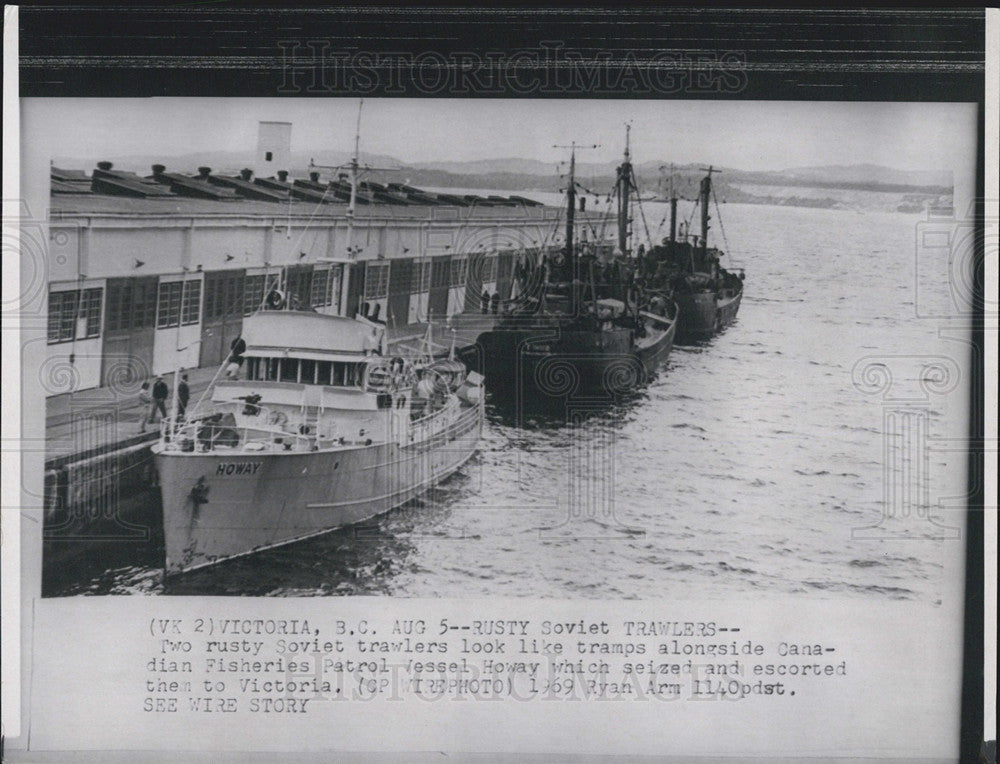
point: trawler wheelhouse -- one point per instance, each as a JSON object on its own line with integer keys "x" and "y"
{"x": 314, "y": 382}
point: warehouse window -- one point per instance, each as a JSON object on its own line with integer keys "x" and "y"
{"x": 171, "y": 308}
{"x": 90, "y": 311}
{"x": 62, "y": 316}
{"x": 253, "y": 294}
{"x": 320, "y": 296}
{"x": 191, "y": 308}
{"x": 168, "y": 305}
{"x": 74, "y": 315}
{"x": 376, "y": 280}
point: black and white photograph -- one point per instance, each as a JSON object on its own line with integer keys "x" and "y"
{"x": 602, "y": 393}
{"x": 543, "y": 348}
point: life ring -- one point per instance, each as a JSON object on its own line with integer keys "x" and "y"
{"x": 275, "y": 300}
{"x": 278, "y": 418}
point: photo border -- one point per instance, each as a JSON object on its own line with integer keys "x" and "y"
{"x": 67, "y": 50}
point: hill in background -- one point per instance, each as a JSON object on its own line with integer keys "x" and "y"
{"x": 820, "y": 186}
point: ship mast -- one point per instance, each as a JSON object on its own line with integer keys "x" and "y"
{"x": 345, "y": 278}
{"x": 570, "y": 213}
{"x": 705, "y": 194}
{"x": 354, "y": 178}
{"x": 354, "y": 168}
{"x": 673, "y": 206}
{"x": 570, "y": 220}
{"x": 624, "y": 186}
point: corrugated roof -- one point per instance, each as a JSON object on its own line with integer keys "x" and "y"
{"x": 70, "y": 187}
{"x": 68, "y": 205}
{"x": 314, "y": 192}
{"x": 198, "y": 187}
{"x": 248, "y": 189}
{"x": 60, "y": 174}
{"x": 118, "y": 183}
{"x": 117, "y": 192}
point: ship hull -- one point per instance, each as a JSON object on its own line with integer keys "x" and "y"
{"x": 559, "y": 364}
{"x": 220, "y": 505}
{"x": 704, "y": 314}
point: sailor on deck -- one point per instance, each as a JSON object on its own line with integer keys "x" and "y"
{"x": 374, "y": 342}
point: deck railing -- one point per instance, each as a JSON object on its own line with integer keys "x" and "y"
{"x": 205, "y": 434}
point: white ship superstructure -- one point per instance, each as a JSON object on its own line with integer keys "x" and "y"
{"x": 321, "y": 431}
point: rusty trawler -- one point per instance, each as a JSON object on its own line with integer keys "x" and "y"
{"x": 582, "y": 324}
{"x": 707, "y": 295}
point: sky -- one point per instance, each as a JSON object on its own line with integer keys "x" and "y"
{"x": 749, "y": 135}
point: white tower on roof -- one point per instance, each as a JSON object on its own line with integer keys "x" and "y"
{"x": 274, "y": 149}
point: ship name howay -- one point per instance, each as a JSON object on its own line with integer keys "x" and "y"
{"x": 237, "y": 468}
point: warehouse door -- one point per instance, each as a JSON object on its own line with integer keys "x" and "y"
{"x": 129, "y": 327}
{"x": 222, "y": 317}
{"x": 355, "y": 274}
{"x": 437, "y": 307}
{"x": 399, "y": 292}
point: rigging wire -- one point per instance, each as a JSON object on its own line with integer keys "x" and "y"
{"x": 690, "y": 219}
{"x": 642, "y": 212}
{"x": 718, "y": 215}
{"x": 280, "y": 277}
{"x": 606, "y": 215}
{"x": 597, "y": 234}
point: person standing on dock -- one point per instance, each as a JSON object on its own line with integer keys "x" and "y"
{"x": 145, "y": 399}
{"x": 183, "y": 396}
{"x": 484, "y": 300}
{"x": 495, "y": 303}
{"x": 160, "y": 393}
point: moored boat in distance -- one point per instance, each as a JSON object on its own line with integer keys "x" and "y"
{"x": 321, "y": 432}
{"x": 583, "y": 325}
{"x": 708, "y": 296}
